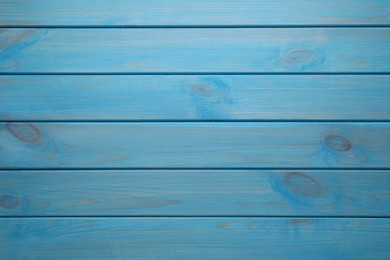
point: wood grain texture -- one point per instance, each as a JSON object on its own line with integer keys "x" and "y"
{"x": 195, "y": 50}
{"x": 92, "y": 145}
{"x": 201, "y": 12}
{"x": 211, "y": 97}
{"x": 191, "y": 238}
{"x": 195, "y": 193}
{"x": 108, "y": 188}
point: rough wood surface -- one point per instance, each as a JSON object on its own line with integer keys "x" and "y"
{"x": 193, "y": 13}
{"x": 195, "y": 97}
{"x": 194, "y": 238}
{"x": 282, "y": 145}
{"x": 110, "y": 146}
{"x": 195, "y": 50}
{"x": 195, "y": 192}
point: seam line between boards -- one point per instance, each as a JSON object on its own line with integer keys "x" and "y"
{"x": 210, "y": 26}
{"x": 200, "y": 216}
{"x": 199, "y": 73}
{"x": 197, "y": 169}
{"x": 195, "y": 121}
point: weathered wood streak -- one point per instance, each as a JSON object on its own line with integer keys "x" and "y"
{"x": 194, "y": 238}
{"x": 187, "y": 12}
{"x": 216, "y": 97}
{"x": 198, "y": 145}
{"x": 195, "y": 192}
{"x": 179, "y": 50}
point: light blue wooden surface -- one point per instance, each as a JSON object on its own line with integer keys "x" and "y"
{"x": 195, "y": 238}
{"x": 195, "y": 50}
{"x": 195, "y": 192}
{"x": 90, "y": 189}
{"x": 188, "y": 12}
{"x": 95, "y": 145}
{"x": 195, "y": 97}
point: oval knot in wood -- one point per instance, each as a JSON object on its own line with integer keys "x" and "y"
{"x": 302, "y": 184}
{"x": 297, "y": 57}
{"x": 9, "y": 202}
{"x": 338, "y": 143}
{"x": 24, "y": 131}
{"x": 203, "y": 90}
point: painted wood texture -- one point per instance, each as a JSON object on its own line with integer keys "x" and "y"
{"x": 314, "y": 185}
{"x": 91, "y": 145}
{"x": 195, "y": 193}
{"x": 194, "y": 238}
{"x": 195, "y": 50}
{"x": 187, "y": 12}
{"x": 195, "y": 97}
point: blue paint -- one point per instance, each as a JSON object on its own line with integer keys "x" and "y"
{"x": 303, "y": 59}
{"x": 193, "y": 238}
{"x": 224, "y": 130}
{"x": 233, "y": 50}
{"x": 172, "y": 97}
{"x": 187, "y": 13}
{"x": 197, "y": 192}
{"x": 23, "y": 39}
{"x": 193, "y": 145}
{"x": 211, "y": 99}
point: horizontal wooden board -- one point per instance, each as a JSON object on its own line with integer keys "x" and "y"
{"x": 195, "y": 50}
{"x": 94, "y": 145}
{"x": 195, "y": 192}
{"x": 194, "y": 238}
{"x": 186, "y": 12}
{"x": 195, "y": 97}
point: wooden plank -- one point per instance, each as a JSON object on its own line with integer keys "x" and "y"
{"x": 195, "y": 50}
{"x": 195, "y": 192}
{"x": 195, "y": 97}
{"x": 194, "y": 238}
{"x": 92, "y": 145}
{"x": 186, "y": 12}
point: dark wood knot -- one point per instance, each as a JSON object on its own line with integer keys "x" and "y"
{"x": 338, "y": 143}
{"x": 302, "y": 184}
{"x": 297, "y": 57}
{"x": 26, "y": 132}
{"x": 9, "y": 201}
{"x": 203, "y": 90}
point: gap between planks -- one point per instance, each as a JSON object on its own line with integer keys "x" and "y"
{"x": 195, "y": 217}
{"x": 283, "y": 26}
{"x": 196, "y": 168}
{"x": 200, "y": 73}
{"x": 202, "y": 121}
